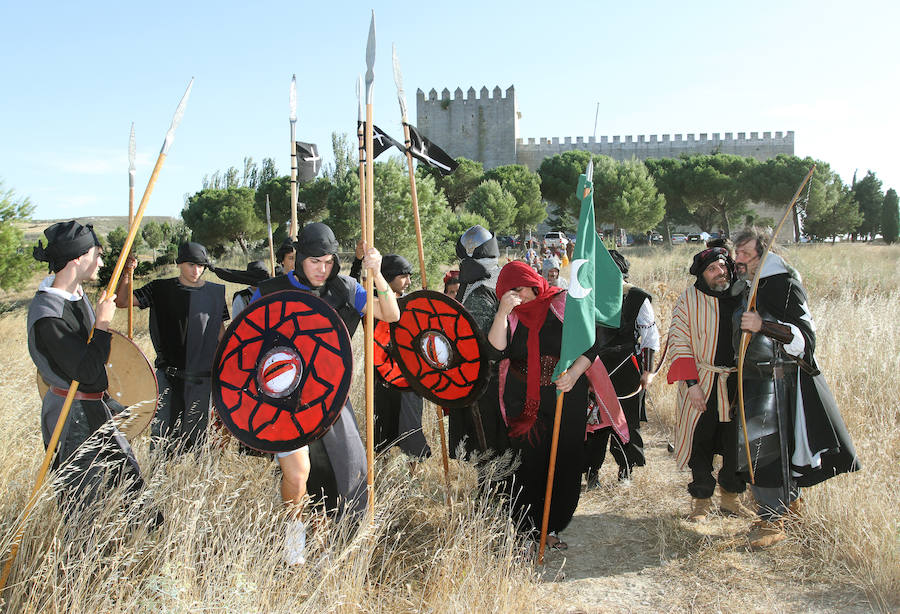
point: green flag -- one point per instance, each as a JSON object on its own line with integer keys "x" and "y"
{"x": 595, "y": 285}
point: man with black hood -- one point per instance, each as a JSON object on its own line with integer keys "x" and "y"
{"x": 797, "y": 436}
{"x": 398, "y": 412}
{"x": 702, "y": 364}
{"x": 332, "y": 469}
{"x": 628, "y": 356}
{"x": 481, "y": 425}
{"x": 92, "y": 451}
{"x": 187, "y": 319}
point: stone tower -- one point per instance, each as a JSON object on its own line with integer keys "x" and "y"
{"x": 483, "y": 127}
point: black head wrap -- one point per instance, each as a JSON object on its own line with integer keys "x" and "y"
{"x": 393, "y": 265}
{"x": 705, "y": 258}
{"x": 65, "y": 242}
{"x": 315, "y": 240}
{"x": 255, "y": 273}
{"x": 193, "y": 253}
{"x": 286, "y": 247}
{"x": 621, "y": 262}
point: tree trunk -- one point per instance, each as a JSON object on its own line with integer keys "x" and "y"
{"x": 243, "y": 245}
{"x": 726, "y": 226}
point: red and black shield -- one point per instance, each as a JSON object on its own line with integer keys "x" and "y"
{"x": 438, "y": 347}
{"x": 282, "y": 371}
{"x": 383, "y": 357}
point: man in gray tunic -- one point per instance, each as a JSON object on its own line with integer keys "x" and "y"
{"x": 92, "y": 452}
{"x": 187, "y": 316}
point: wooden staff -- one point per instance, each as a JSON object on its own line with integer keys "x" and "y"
{"x": 551, "y": 470}
{"x": 361, "y": 136}
{"x": 110, "y": 289}
{"x": 751, "y": 306}
{"x": 271, "y": 244}
{"x": 369, "y": 281}
{"x": 401, "y": 97}
{"x": 293, "y": 119}
{"x": 131, "y": 175}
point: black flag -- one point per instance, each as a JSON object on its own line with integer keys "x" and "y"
{"x": 380, "y": 140}
{"x": 430, "y": 154}
{"x": 308, "y": 161}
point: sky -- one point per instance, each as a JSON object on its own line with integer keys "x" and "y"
{"x": 74, "y": 76}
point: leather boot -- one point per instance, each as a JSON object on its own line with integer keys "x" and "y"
{"x": 699, "y": 509}
{"x": 730, "y": 503}
{"x": 765, "y": 533}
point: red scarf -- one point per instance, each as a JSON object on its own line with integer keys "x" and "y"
{"x": 532, "y": 314}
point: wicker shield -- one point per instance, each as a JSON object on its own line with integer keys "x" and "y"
{"x": 438, "y": 347}
{"x": 282, "y": 371}
{"x": 132, "y": 382}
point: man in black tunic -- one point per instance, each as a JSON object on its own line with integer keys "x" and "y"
{"x": 92, "y": 451}
{"x": 187, "y": 316}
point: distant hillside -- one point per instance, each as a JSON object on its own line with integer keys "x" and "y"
{"x": 34, "y": 229}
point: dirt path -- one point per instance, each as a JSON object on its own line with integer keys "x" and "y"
{"x": 631, "y": 551}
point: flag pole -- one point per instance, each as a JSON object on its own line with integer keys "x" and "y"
{"x": 271, "y": 244}
{"x": 110, "y": 289}
{"x": 401, "y": 97}
{"x": 369, "y": 281}
{"x": 554, "y": 442}
{"x": 293, "y": 120}
{"x": 131, "y": 175}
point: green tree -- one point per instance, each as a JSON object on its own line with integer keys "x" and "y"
{"x": 561, "y": 219}
{"x": 870, "y": 200}
{"x": 152, "y": 234}
{"x": 16, "y": 263}
{"x": 115, "y": 241}
{"x": 890, "y": 217}
{"x": 459, "y": 185}
{"x": 717, "y": 189}
{"x": 218, "y": 217}
{"x": 625, "y": 195}
{"x": 525, "y": 187}
{"x": 559, "y": 178}
{"x": 494, "y": 204}
{"x": 669, "y": 177}
{"x": 829, "y": 209}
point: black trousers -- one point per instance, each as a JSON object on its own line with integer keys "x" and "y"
{"x": 712, "y": 437}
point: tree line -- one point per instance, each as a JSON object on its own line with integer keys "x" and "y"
{"x": 714, "y": 192}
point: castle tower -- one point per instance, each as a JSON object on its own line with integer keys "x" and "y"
{"x": 481, "y": 127}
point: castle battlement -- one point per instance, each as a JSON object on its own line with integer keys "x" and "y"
{"x": 484, "y": 126}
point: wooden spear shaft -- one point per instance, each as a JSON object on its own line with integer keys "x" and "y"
{"x": 551, "y": 470}
{"x": 369, "y": 281}
{"x": 73, "y": 387}
{"x": 131, "y": 175}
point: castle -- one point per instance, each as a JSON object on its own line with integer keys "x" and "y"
{"x": 485, "y": 127}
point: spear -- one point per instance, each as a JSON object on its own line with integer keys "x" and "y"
{"x": 401, "y": 98}
{"x": 269, "y": 230}
{"x": 110, "y": 289}
{"x": 370, "y": 279}
{"x": 293, "y": 119}
{"x": 131, "y": 175}
{"x": 360, "y": 134}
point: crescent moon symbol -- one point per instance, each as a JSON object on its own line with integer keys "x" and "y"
{"x": 576, "y": 290}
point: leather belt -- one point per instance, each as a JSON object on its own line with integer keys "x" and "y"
{"x": 79, "y": 396}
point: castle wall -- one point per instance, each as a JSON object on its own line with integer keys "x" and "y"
{"x": 764, "y": 147}
{"x": 482, "y": 127}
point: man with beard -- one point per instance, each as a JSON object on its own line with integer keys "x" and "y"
{"x": 187, "y": 319}
{"x": 481, "y": 425}
{"x": 797, "y": 437}
{"x": 703, "y": 360}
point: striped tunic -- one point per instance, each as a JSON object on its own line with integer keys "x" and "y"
{"x": 693, "y": 338}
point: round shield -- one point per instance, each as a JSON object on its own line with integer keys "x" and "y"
{"x": 438, "y": 347}
{"x": 384, "y": 362}
{"x": 132, "y": 382}
{"x": 282, "y": 371}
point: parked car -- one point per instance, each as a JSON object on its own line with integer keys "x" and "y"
{"x": 508, "y": 241}
{"x": 555, "y": 240}
{"x": 656, "y": 237}
{"x": 678, "y": 238}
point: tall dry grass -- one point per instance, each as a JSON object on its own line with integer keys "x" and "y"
{"x": 220, "y": 547}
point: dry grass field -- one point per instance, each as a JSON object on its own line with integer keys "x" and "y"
{"x": 630, "y": 551}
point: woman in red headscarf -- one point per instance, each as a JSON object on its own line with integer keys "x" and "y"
{"x": 528, "y": 332}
